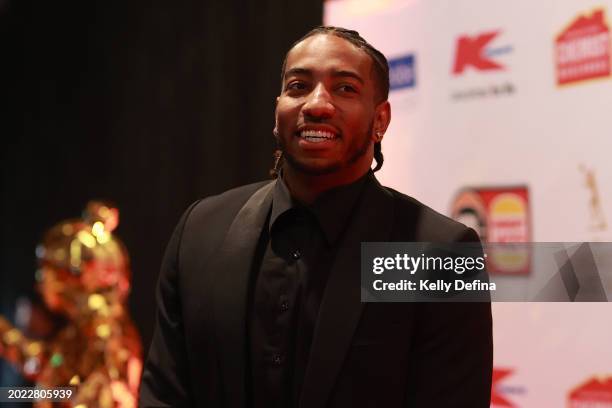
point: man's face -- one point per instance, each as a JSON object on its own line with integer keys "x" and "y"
{"x": 326, "y": 113}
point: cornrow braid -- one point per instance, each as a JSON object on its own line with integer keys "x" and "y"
{"x": 378, "y": 156}
{"x": 278, "y": 162}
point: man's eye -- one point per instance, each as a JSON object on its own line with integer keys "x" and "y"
{"x": 296, "y": 86}
{"x": 347, "y": 88}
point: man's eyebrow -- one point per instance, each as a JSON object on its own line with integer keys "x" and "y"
{"x": 336, "y": 74}
{"x": 298, "y": 71}
{"x": 349, "y": 74}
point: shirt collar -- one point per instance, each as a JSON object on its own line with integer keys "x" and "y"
{"x": 332, "y": 209}
{"x": 281, "y": 201}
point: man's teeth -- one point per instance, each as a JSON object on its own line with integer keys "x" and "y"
{"x": 317, "y": 135}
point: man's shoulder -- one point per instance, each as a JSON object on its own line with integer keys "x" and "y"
{"x": 427, "y": 224}
{"x": 227, "y": 203}
{"x": 207, "y": 220}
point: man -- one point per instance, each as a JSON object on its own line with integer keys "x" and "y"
{"x": 259, "y": 293}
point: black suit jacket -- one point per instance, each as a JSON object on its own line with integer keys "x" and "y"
{"x": 434, "y": 355}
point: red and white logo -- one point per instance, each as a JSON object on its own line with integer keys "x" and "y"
{"x": 498, "y": 215}
{"x": 596, "y": 392}
{"x": 583, "y": 49}
{"x": 474, "y": 51}
{"x": 498, "y": 397}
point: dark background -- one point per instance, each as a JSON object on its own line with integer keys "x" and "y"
{"x": 149, "y": 104}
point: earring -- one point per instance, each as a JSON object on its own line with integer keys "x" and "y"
{"x": 379, "y": 136}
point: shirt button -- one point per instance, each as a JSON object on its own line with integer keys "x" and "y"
{"x": 284, "y": 306}
{"x": 277, "y": 359}
{"x": 296, "y": 254}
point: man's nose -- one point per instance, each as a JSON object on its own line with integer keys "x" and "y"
{"x": 319, "y": 103}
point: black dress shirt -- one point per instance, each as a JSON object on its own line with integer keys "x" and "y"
{"x": 295, "y": 254}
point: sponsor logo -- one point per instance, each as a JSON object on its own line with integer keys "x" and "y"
{"x": 402, "y": 72}
{"x": 477, "y": 53}
{"x": 498, "y": 214}
{"x": 508, "y": 217}
{"x": 582, "y": 49}
{"x": 480, "y": 53}
{"x": 595, "y": 392}
{"x": 501, "y": 393}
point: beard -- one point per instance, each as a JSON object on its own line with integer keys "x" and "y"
{"x": 362, "y": 149}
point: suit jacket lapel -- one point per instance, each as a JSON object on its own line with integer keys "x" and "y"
{"x": 232, "y": 267}
{"x": 341, "y": 305}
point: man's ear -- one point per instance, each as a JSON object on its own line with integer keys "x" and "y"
{"x": 382, "y": 118}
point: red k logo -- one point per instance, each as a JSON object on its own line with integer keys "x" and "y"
{"x": 497, "y": 400}
{"x": 471, "y": 51}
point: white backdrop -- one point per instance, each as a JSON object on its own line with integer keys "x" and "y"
{"x": 495, "y": 129}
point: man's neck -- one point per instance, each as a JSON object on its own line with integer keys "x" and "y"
{"x": 305, "y": 188}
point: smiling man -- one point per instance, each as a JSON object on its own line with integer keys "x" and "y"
{"x": 332, "y": 110}
{"x": 259, "y": 292}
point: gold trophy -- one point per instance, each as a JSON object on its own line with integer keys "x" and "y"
{"x": 84, "y": 275}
